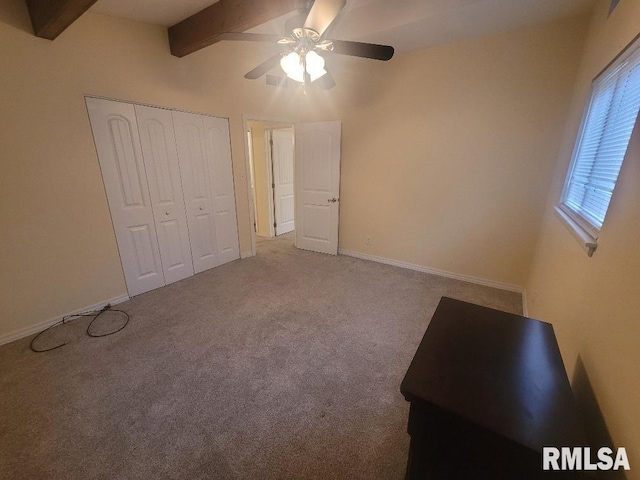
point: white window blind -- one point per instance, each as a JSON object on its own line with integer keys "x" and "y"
{"x": 602, "y": 145}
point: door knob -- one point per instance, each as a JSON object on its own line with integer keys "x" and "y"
{"x": 166, "y": 213}
{"x": 332, "y": 200}
{"x": 201, "y": 208}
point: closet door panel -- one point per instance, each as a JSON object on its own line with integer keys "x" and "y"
{"x": 194, "y": 169}
{"x": 218, "y": 149}
{"x": 155, "y": 126}
{"x": 119, "y": 153}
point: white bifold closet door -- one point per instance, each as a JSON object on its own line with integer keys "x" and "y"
{"x": 207, "y": 179}
{"x": 163, "y": 176}
{"x": 173, "y": 210}
{"x": 115, "y": 132}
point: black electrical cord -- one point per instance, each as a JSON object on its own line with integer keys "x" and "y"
{"x": 92, "y": 313}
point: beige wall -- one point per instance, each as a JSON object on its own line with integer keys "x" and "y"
{"x": 594, "y": 303}
{"x": 448, "y": 152}
{"x": 57, "y": 247}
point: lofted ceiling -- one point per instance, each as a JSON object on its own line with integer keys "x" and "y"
{"x": 406, "y": 24}
{"x": 157, "y": 12}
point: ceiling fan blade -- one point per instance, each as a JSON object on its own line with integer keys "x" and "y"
{"x": 250, "y": 37}
{"x": 326, "y": 81}
{"x": 263, "y": 68}
{"x": 364, "y": 50}
{"x": 322, "y": 14}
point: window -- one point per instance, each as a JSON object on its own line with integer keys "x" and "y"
{"x": 601, "y": 146}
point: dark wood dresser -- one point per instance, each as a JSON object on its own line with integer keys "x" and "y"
{"x": 488, "y": 390}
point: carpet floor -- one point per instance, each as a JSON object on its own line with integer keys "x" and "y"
{"x": 286, "y": 365}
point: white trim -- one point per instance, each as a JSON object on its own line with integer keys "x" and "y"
{"x": 268, "y": 152}
{"x": 251, "y": 176}
{"x": 247, "y": 165}
{"x": 247, "y": 254}
{"x": 525, "y": 307}
{"x": 434, "y": 271}
{"x": 172, "y": 109}
{"x": 26, "y": 331}
{"x": 586, "y": 240}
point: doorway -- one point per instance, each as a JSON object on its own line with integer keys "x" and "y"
{"x": 270, "y": 147}
{"x": 316, "y": 183}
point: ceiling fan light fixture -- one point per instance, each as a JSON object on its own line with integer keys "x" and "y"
{"x": 315, "y": 65}
{"x": 305, "y": 40}
{"x": 293, "y": 67}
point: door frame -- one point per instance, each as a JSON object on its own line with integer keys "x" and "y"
{"x": 246, "y": 118}
{"x": 271, "y": 204}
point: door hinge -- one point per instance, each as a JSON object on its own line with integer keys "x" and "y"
{"x": 275, "y": 224}
{"x": 273, "y": 185}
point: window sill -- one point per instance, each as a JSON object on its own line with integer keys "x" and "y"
{"x": 584, "y": 238}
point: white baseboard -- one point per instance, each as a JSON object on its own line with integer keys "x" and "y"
{"x": 24, "y": 332}
{"x": 434, "y": 271}
{"x": 246, "y": 254}
{"x": 525, "y": 308}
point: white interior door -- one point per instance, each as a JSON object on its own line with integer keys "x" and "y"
{"x": 317, "y": 185}
{"x": 194, "y": 168}
{"x": 218, "y": 150}
{"x": 118, "y": 145}
{"x": 163, "y": 173}
{"x": 282, "y": 161}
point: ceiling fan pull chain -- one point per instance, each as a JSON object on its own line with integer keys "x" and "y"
{"x": 303, "y": 59}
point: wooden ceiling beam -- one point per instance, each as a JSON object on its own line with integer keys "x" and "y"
{"x": 205, "y": 27}
{"x": 50, "y": 18}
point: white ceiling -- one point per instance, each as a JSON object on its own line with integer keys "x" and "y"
{"x": 407, "y": 25}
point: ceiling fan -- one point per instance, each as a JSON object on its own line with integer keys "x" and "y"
{"x": 305, "y": 43}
